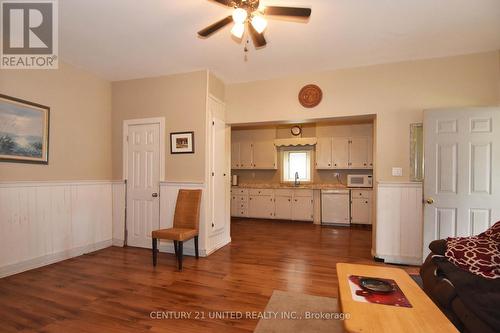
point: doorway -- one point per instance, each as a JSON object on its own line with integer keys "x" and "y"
{"x": 143, "y": 169}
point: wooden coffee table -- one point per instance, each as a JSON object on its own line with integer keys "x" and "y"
{"x": 424, "y": 316}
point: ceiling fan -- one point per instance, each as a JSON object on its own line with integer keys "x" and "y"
{"x": 248, "y": 12}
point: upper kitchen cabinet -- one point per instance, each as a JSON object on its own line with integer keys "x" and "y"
{"x": 253, "y": 148}
{"x": 324, "y": 153}
{"x": 340, "y": 153}
{"x": 264, "y": 155}
{"x": 253, "y": 155}
{"x": 344, "y": 153}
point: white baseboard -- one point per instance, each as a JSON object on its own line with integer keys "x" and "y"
{"x": 400, "y": 260}
{"x": 51, "y": 258}
{"x": 219, "y": 246}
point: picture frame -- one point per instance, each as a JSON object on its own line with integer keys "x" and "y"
{"x": 24, "y": 131}
{"x": 182, "y": 143}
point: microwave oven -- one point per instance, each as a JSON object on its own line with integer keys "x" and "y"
{"x": 359, "y": 181}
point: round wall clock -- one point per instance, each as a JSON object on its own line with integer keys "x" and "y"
{"x": 310, "y": 96}
{"x": 296, "y": 130}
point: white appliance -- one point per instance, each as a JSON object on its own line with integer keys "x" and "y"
{"x": 359, "y": 181}
{"x": 335, "y": 207}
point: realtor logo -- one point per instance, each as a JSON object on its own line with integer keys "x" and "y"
{"x": 29, "y": 34}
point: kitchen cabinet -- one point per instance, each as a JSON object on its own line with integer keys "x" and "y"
{"x": 261, "y": 206}
{"x": 264, "y": 155}
{"x": 235, "y": 155}
{"x": 302, "y": 208}
{"x": 282, "y": 204}
{"x": 239, "y": 205}
{"x": 344, "y": 153}
{"x": 324, "y": 153}
{"x": 358, "y": 153}
{"x": 340, "y": 153}
{"x": 253, "y": 155}
{"x": 361, "y": 206}
{"x": 246, "y": 158}
{"x": 283, "y": 207}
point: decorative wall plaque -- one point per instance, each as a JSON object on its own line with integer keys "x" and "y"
{"x": 310, "y": 96}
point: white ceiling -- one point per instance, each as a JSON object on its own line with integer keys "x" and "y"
{"x": 124, "y": 39}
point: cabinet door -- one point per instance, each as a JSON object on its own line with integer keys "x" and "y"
{"x": 358, "y": 153}
{"x": 370, "y": 153}
{"x": 283, "y": 208}
{"x": 239, "y": 205}
{"x": 261, "y": 206}
{"x": 234, "y": 206}
{"x": 235, "y": 155}
{"x": 246, "y": 159}
{"x": 302, "y": 209}
{"x": 340, "y": 153}
{"x": 324, "y": 153}
{"x": 264, "y": 155}
{"x": 361, "y": 211}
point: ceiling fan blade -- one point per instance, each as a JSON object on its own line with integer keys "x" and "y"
{"x": 216, "y": 26}
{"x": 287, "y": 11}
{"x": 225, "y": 2}
{"x": 258, "y": 39}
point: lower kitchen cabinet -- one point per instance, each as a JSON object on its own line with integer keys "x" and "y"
{"x": 361, "y": 206}
{"x": 239, "y": 205}
{"x": 261, "y": 206}
{"x": 282, "y": 204}
{"x": 302, "y": 208}
{"x": 283, "y": 207}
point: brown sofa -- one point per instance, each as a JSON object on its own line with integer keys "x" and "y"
{"x": 471, "y": 302}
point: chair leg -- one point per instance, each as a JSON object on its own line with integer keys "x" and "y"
{"x": 196, "y": 246}
{"x": 155, "y": 251}
{"x": 179, "y": 253}
{"x": 175, "y": 249}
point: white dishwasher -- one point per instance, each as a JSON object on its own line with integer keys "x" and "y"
{"x": 335, "y": 207}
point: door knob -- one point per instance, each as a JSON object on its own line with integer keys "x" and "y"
{"x": 154, "y": 195}
{"x": 430, "y": 201}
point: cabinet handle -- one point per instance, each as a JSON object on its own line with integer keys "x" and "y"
{"x": 271, "y": 199}
{"x": 289, "y": 199}
{"x": 366, "y": 201}
{"x": 364, "y": 164}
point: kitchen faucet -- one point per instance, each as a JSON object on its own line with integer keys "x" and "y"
{"x": 296, "y": 182}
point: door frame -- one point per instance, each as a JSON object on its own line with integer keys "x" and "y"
{"x": 144, "y": 121}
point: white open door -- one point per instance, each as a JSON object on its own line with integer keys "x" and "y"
{"x": 219, "y": 178}
{"x": 143, "y": 162}
{"x": 462, "y": 172}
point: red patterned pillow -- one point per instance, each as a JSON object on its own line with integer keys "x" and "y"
{"x": 479, "y": 255}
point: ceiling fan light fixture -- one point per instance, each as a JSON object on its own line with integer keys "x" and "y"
{"x": 259, "y": 23}
{"x": 238, "y": 30}
{"x": 240, "y": 15}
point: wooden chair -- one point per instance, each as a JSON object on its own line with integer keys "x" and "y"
{"x": 186, "y": 225}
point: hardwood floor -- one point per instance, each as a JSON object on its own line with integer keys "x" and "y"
{"x": 116, "y": 289}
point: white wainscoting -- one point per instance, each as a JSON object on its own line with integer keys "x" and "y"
{"x": 119, "y": 192}
{"x": 46, "y": 222}
{"x": 208, "y": 243}
{"x": 399, "y": 222}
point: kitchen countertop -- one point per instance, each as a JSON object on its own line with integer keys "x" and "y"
{"x": 301, "y": 186}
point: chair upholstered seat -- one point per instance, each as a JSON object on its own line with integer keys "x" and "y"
{"x": 178, "y": 234}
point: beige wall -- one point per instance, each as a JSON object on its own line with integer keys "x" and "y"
{"x": 216, "y": 87}
{"x": 181, "y": 100}
{"x": 397, "y": 93}
{"x": 80, "y": 119}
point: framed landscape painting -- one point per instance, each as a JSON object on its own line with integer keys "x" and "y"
{"x": 24, "y": 131}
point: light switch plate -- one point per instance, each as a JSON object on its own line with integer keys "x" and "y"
{"x": 397, "y": 172}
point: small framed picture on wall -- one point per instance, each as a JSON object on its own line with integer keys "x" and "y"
{"x": 182, "y": 143}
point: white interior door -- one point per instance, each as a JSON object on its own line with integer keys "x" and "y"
{"x": 462, "y": 178}
{"x": 219, "y": 160}
{"x": 143, "y": 176}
